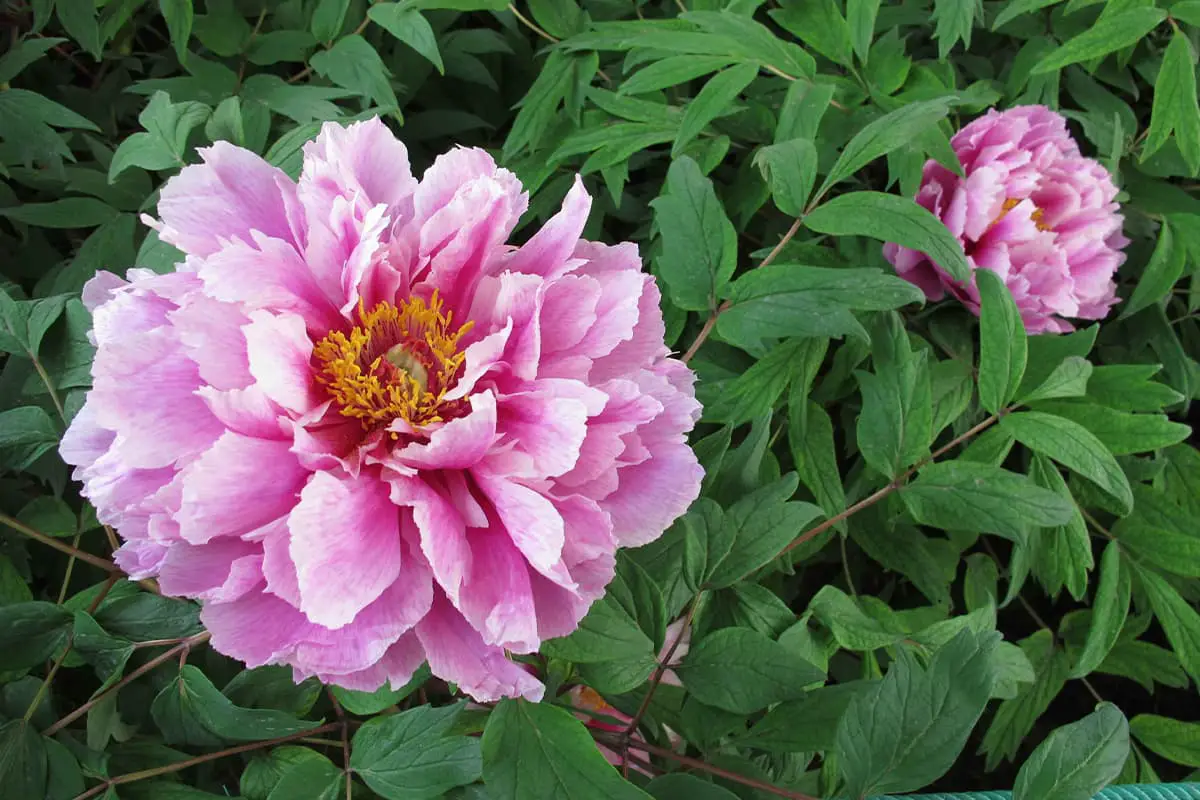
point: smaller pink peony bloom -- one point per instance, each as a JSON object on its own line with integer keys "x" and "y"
{"x": 364, "y": 430}
{"x": 1029, "y": 208}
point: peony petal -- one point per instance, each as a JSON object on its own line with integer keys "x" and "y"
{"x": 460, "y": 443}
{"x": 231, "y": 195}
{"x": 548, "y": 250}
{"x": 457, "y": 653}
{"x": 345, "y": 545}
{"x": 221, "y": 570}
{"x": 238, "y": 485}
{"x": 280, "y": 356}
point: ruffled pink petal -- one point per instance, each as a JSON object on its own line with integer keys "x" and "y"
{"x": 238, "y": 485}
{"x": 345, "y": 544}
{"x": 270, "y": 274}
{"x": 457, "y": 653}
{"x": 361, "y": 159}
{"x": 546, "y": 253}
{"x": 221, "y": 570}
{"x": 230, "y": 196}
{"x": 280, "y": 356}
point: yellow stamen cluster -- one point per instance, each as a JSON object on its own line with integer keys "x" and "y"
{"x": 1036, "y": 216}
{"x": 397, "y": 363}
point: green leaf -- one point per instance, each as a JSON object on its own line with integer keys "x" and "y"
{"x": 607, "y": 633}
{"x": 313, "y": 778}
{"x": 961, "y": 495}
{"x": 763, "y": 522}
{"x": 275, "y": 687}
{"x": 1118, "y": 431}
{"x": 1069, "y": 379}
{"x": 168, "y": 126}
{"x": 1076, "y": 760}
{"x": 880, "y": 137}
{"x": 1175, "y": 108}
{"x": 193, "y": 696}
{"x": 711, "y": 102}
{"x": 1127, "y": 387}
{"x": 699, "y": 250}
{"x": 1073, "y": 446}
{"x": 69, "y": 212}
{"x": 860, "y": 17}
{"x": 820, "y": 25}
{"x": 560, "y": 18}
{"x": 178, "y": 16}
{"x": 755, "y": 391}
{"x": 1165, "y": 265}
{"x": 1109, "y": 34}
{"x": 671, "y": 71}
{"x": 1002, "y": 346}
{"x": 740, "y": 670}
{"x": 24, "y": 765}
{"x": 1109, "y": 609}
{"x": 354, "y": 64}
{"x": 1062, "y": 554}
{"x": 23, "y": 324}
{"x": 955, "y": 20}
{"x": 31, "y": 632}
{"x": 810, "y": 437}
{"x": 851, "y": 627}
{"x": 1160, "y": 532}
{"x": 540, "y": 106}
{"x": 792, "y": 300}
{"x": 1170, "y": 738}
{"x": 807, "y": 725}
{"x": 535, "y": 750}
{"x": 790, "y": 167}
{"x": 371, "y": 703}
{"x": 262, "y": 775}
{"x": 681, "y": 786}
{"x": 1015, "y": 718}
{"x": 409, "y": 26}
{"x": 1178, "y": 619}
{"x": 78, "y": 18}
{"x": 891, "y": 219}
{"x": 328, "y": 17}
{"x": 107, "y": 654}
{"x": 907, "y": 732}
{"x": 145, "y": 616}
{"x": 22, "y": 54}
{"x": 896, "y": 423}
{"x": 26, "y": 434}
{"x": 276, "y": 46}
{"x": 1016, "y": 8}
{"x": 408, "y": 756}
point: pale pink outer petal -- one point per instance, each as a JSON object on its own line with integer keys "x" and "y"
{"x": 223, "y": 569}
{"x": 230, "y": 195}
{"x": 362, "y": 158}
{"x": 280, "y": 356}
{"x": 238, "y": 485}
{"x": 457, "y": 653}
{"x": 345, "y": 544}
{"x": 547, "y": 251}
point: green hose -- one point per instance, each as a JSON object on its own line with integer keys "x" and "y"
{"x": 1161, "y": 791}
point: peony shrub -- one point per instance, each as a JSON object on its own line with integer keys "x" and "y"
{"x": 366, "y": 432}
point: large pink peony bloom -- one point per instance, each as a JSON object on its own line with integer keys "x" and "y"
{"x": 1031, "y": 209}
{"x": 366, "y": 432}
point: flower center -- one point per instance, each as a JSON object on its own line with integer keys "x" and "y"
{"x": 398, "y": 362}
{"x": 1036, "y": 216}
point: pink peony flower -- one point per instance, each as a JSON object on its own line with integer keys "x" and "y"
{"x": 1031, "y": 209}
{"x": 366, "y": 432}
